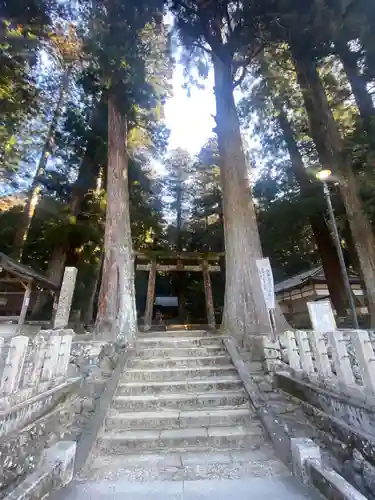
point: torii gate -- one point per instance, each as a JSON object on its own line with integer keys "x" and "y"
{"x": 174, "y": 261}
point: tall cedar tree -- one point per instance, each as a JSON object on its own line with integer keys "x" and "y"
{"x": 221, "y": 28}
{"x": 309, "y": 29}
{"x": 179, "y": 169}
{"x": 307, "y": 43}
{"x": 283, "y": 121}
{"x": 119, "y": 49}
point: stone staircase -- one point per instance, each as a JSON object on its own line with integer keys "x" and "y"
{"x": 181, "y": 412}
{"x": 181, "y": 427}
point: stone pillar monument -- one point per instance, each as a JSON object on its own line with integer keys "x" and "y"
{"x": 64, "y": 303}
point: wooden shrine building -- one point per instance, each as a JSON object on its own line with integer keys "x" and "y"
{"x": 159, "y": 261}
{"x": 19, "y": 288}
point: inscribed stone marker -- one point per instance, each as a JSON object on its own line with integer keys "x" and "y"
{"x": 321, "y": 316}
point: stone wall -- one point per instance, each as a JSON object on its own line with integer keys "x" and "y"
{"x": 54, "y": 386}
{"x": 54, "y": 471}
{"x": 346, "y": 425}
{"x": 99, "y": 364}
{"x": 286, "y": 409}
{"x": 309, "y": 467}
{"x": 22, "y": 449}
{"x": 37, "y": 401}
{"x": 332, "y": 379}
{"x": 93, "y": 361}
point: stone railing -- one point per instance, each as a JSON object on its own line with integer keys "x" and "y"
{"x": 332, "y": 377}
{"x": 342, "y": 358}
{"x": 308, "y": 467}
{"x": 55, "y": 470}
{"x": 290, "y": 427}
{"x": 37, "y": 402}
{"x": 29, "y": 366}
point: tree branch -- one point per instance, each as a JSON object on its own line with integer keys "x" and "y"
{"x": 203, "y": 20}
{"x": 181, "y": 3}
{"x": 241, "y": 78}
{"x": 227, "y": 17}
{"x": 244, "y": 63}
{"x": 200, "y": 46}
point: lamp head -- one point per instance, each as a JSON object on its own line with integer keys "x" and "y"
{"x": 323, "y": 175}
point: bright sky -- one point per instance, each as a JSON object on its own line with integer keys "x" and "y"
{"x": 190, "y": 118}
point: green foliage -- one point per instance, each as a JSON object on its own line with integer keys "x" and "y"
{"x": 122, "y": 49}
{"x": 122, "y": 53}
{"x": 23, "y": 25}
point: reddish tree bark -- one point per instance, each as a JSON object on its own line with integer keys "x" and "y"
{"x": 245, "y": 311}
{"x": 116, "y": 317}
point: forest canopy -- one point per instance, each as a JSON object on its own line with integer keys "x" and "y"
{"x": 89, "y": 175}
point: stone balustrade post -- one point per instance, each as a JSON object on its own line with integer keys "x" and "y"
{"x": 271, "y": 351}
{"x": 64, "y": 303}
{"x": 51, "y": 358}
{"x": 15, "y": 359}
{"x": 292, "y": 350}
{"x": 319, "y": 349}
{"x": 64, "y": 355}
{"x": 304, "y": 351}
{"x": 303, "y": 450}
{"x": 365, "y": 357}
{"x": 340, "y": 357}
{"x": 39, "y": 359}
{"x": 2, "y": 356}
{"x": 309, "y": 468}
{"x": 64, "y": 454}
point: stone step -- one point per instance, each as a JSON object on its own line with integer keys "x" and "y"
{"x": 181, "y": 352}
{"x": 210, "y": 384}
{"x": 181, "y": 400}
{"x": 189, "y": 466}
{"x": 179, "y": 334}
{"x": 176, "y": 419}
{"x": 188, "y": 362}
{"x": 181, "y": 440}
{"x": 220, "y": 486}
{"x": 178, "y": 342}
{"x": 155, "y": 374}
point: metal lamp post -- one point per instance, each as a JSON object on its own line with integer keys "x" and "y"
{"x": 324, "y": 176}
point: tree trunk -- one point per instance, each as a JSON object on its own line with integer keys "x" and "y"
{"x": 89, "y": 314}
{"x": 245, "y": 311}
{"x": 54, "y": 273}
{"x": 179, "y": 216}
{"x": 180, "y": 276}
{"x": 329, "y": 145}
{"x": 89, "y": 170}
{"x": 86, "y": 180}
{"x": 117, "y": 316}
{"x": 33, "y": 195}
{"x": 366, "y": 35}
{"x": 322, "y": 235}
{"x": 358, "y": 84}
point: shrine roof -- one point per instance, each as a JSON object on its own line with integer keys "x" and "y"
{"x": 23, "y": 272}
